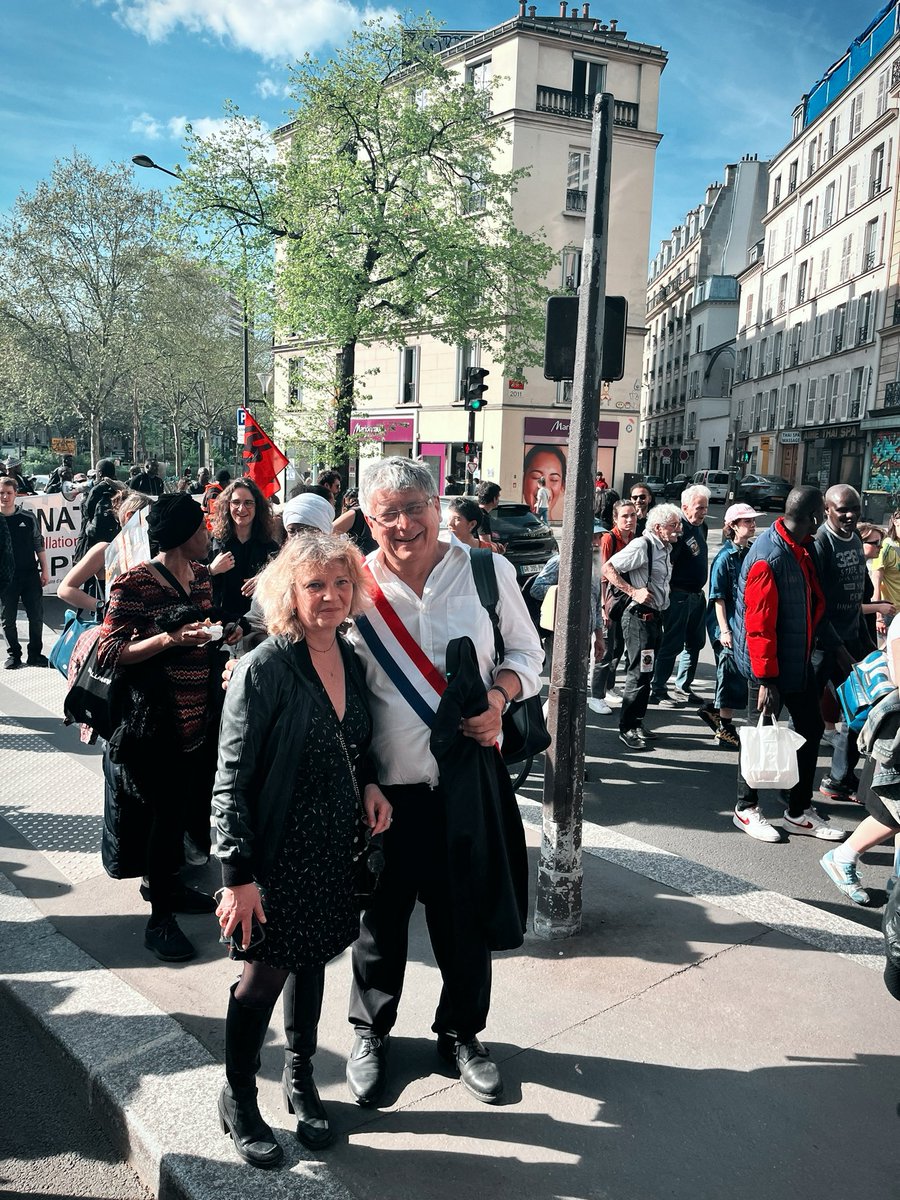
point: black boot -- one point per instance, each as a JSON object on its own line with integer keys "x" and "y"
{"x": 302, "y": 1006}
{"x": 245, "y": 1032}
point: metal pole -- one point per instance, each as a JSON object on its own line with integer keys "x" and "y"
{"x": 246, "y": 348}
{"x": 558, "y": 904}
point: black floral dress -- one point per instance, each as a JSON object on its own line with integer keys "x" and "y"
{"x": 308, "y": 899}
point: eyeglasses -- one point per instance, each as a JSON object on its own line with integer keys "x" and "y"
{"x": 411, "y": 511}
{"x": 242, "y": 503}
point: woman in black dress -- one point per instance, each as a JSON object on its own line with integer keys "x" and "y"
{"x": 293, "y": 793}
{"x": 242, "y": 544}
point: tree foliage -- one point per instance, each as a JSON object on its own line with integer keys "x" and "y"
{"x": 390, "y": 209}
{"x": 74, "y": 257}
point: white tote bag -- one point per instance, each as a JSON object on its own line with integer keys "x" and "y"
{"x": 769, "y": 754}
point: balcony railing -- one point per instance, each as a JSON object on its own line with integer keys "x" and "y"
{"x": 576, "y": 200}
{"x": 560, "y": 103}
{"x": 892, "y": 395}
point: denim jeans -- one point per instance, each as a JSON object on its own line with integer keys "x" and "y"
{"x": 683, "y": 637}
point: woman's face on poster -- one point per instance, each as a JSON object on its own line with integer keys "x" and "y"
{"x": 547, "y": 464}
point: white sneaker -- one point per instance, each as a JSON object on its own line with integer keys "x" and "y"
{"x": 810, "y": 824}
{"x": 830, "y": 736}
{"x": 598, "y": 706}
{"x": 755, "y": 824}
{"x": 614, "y": 692}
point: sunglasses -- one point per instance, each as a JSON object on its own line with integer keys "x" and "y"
{"x": 870, "y": 542}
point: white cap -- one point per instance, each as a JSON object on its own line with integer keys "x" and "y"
{"x": 741, "y": 512}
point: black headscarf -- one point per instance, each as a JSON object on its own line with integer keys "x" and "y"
{"x": 173, "y": 520}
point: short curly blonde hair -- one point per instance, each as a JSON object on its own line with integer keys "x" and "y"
{"x": 299, "y": 556}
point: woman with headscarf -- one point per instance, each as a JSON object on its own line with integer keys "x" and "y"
{"x": 157, "y": 634}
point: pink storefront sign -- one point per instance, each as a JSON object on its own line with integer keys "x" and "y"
{"x": 384, "y": 429}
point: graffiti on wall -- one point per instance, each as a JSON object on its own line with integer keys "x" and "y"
{"x": 884, "y": 469}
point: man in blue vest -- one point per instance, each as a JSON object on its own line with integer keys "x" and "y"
{"x": 780, "y": 611}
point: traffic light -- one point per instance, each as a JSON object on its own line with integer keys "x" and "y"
{"x": 474, "y": 388}
{"x": 471, "y": 449}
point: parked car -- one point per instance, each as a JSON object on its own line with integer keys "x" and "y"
{"x": 763, "y": 491}
{"x": 716, "y": 481}
{"x": 655, "y": 483}
{"x": 672, "y": 488}
{"x": 529, "y": 542}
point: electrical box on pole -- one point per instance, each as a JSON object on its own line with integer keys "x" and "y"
{"x": 560, "y": 331}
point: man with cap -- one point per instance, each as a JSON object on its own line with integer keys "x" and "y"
{"x": 14, "y": 471}
{"x": 98, "y": 521}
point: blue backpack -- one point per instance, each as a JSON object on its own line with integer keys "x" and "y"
{"x": 867, "y": 683}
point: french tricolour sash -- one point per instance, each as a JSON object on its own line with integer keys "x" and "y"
{"x": 401, "y": 657}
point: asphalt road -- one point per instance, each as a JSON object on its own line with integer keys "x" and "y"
{"x": 680, "y": 798}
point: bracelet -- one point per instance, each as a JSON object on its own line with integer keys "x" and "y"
{"x": 496, "y": 687}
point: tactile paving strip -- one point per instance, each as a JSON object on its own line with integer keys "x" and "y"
{"x": 49, "y": 797}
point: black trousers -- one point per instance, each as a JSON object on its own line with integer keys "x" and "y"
{"x": 807, "y": 718}
{"x": 416, "y": 869}
{"x": 605, "y": 670}
{"x": 26, "y": 587}
{"x": 639, "y": 635}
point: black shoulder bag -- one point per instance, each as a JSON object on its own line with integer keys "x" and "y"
{"x": 525, "y": 731}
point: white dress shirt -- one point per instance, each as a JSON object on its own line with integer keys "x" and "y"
{"x": 448, "y": 608}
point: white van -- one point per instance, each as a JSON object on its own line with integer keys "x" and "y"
{"x": 716, "y": 481}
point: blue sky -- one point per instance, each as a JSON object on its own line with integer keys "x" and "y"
{"x": 119, "y": 77}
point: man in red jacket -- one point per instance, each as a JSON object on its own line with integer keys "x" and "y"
{"x": 780, "y": 610}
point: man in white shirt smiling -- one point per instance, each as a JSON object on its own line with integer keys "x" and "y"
{"x": 427, "y": 583}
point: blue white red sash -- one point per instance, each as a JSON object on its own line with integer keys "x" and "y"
{"x": 400, "y": 656}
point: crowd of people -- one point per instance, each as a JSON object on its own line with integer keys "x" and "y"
{"x": 349, "y": 767}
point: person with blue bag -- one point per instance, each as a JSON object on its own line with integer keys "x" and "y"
{"x": 879, "y": 787}
{"x": 83, "y": 586}
{"x": 738, "y": 530}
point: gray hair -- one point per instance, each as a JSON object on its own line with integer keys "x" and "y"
{"x": 696, "y": 489}
{"x": 394, "y": 475}
{"x": 663, "y": 514}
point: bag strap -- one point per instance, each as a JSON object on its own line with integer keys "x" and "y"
{"x": 170, "y": 578}
{"x": 485, "y": 575}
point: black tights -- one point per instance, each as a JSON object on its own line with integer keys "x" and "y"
{"x": 260, "y": 985}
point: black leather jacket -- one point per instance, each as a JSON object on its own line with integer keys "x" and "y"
{"x": 267, "y": 712}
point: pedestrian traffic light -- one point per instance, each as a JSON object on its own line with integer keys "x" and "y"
{"x": 474, "y": 388}
{"x": 471, "y": 449}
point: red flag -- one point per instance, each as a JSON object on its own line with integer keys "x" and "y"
{"x": 262, "y": 458}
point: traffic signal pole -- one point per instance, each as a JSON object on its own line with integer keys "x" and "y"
{"x": 559, "y": 903}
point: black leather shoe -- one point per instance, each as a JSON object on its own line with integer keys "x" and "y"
{"x": 302, "y": 1099}
{"x": 253, "y": 1140}
{"x": 647, "y": 734}
{"x": 478, "y": 1074}
{"x": 634, "y": 739}
{"x": 167, "y": 942}
{"x": 367, "y": 1068}
{"x": 40, "y": 660}
{"x": 186, "y": 900}
{"x": 13, "y": 662}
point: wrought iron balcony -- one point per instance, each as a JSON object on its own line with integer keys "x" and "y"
{"x": 560, "y": 103}
{"x": 576, "y": 200}
{"x": 892, "y": 395}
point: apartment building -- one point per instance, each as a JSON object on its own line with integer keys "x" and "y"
{"x": 549, "y": 68}
{"x": 692, "y": 319}
{"x": 814, "y": 291}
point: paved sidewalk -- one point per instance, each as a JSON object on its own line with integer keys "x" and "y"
{"x": 700, "y": 1038}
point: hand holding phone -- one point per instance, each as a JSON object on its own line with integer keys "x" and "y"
{"x": 240, "y": 910}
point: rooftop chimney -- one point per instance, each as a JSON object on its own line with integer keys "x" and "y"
{"x": 585, "y": 11}
{"x": 532, "y": 10}
{"x": 521, "y": 8}
{"x": 562, "y": 7}
{"x": 613, "y": 25}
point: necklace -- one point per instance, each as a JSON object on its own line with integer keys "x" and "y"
{"x": 327, "y": 648}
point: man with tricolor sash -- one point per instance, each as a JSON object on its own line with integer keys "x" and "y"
{"x": 426, "y": 597}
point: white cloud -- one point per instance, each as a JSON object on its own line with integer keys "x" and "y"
{"x": 277, "y": 30}
{"x": 268, "y": 87}
{"x": 147, "y": 127}
{"x": 203, "y": 127}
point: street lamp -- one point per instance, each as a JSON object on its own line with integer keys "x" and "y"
{"x": 144, "y": 160}
{"x": 141, "y": 160}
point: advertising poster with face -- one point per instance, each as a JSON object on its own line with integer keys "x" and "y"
{"x": 547, "y": 462}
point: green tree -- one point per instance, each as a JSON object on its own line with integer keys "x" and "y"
{"x": 388, "y": 205}
{"x": 74, "y": 257}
